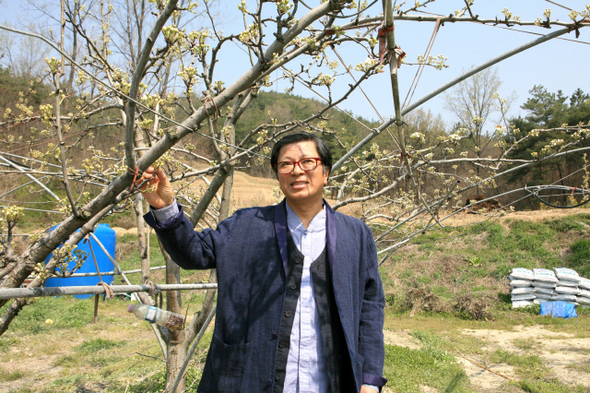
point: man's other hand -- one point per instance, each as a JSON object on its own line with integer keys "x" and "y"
{"x": 367, "y": 389}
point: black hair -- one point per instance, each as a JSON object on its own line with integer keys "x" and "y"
{"x": 301, "y": 136}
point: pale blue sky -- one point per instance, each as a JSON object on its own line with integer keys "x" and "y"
{"x": 557, "y": 64}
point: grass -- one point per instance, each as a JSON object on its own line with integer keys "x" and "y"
{"x": 476, "y": 262}
{"x": 579, "y": 258}
{"x": 583, "y": 367}
{"x": 408, "y": 370}
{"x": 120, "y": 353}
{"x": 526, "y": 344}
{"x": 48, "y": 315}
{"x": 549, "y": 386}
{"x": 10, "y": 375}
{"x": 478, "y": 259}
{"x": 525, "y": 364}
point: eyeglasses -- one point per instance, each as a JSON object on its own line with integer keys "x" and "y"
{"x": 306, "y": 164}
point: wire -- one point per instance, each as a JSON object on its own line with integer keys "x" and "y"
{"x": 406, "y": 241}
{"x": 515, "y": 29}
{"x": 536, "y": 189}
{"x": 559, "y": 5}
{"x": 421, "y": 67}
{"x": 538, "y": 34}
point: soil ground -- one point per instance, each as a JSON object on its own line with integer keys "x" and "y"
{"x": 558, "y": 351}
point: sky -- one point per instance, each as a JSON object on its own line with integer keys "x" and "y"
{"x": 557, "y": 64}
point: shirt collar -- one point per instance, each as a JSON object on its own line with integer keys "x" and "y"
{"x": 317, "y": 224}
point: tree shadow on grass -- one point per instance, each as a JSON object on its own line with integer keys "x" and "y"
{"x": 455, "y": 382}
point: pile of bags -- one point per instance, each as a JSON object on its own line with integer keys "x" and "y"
{"x": 543, "y": 285}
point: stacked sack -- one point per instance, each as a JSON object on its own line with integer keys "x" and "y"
{"x": 544, "y": 284}
{"x": 522, "y": 293}
{"x": 584, "y": 295}
{"x": 567, "y": 285}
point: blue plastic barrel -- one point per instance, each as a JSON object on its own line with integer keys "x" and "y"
{"x": 106, "y": 235}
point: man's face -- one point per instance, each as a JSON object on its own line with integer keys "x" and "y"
{"x": 302, "y": 186}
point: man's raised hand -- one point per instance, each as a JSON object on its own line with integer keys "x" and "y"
{"x": 157, "y": 189}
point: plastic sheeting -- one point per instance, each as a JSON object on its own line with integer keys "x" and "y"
{"x": 559, "y": 309}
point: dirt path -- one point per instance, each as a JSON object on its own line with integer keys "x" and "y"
{"x": 560, "y": 353}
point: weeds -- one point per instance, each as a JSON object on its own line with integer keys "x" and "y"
{"x": 525, "y": 344}
{"x": 157, "y": 382}
{"x": 10, "y": 375}
{"x": 579, "y": 257}
{"x": 99, "y": 344}
{"x": 6, "y": 343}
{"x": 549, "y": 386}
{"x": 583, "y": 367}
{"x": 523, "y": 363}
{"x": 476, "y": 308}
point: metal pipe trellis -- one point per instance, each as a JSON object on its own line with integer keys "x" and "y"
{"x": 112, "y": 273}
{"x": 17, "y": 293}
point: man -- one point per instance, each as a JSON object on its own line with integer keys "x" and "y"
{"x": 300, "y": 301}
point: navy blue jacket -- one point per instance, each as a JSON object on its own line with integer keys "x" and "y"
{"x": 249, "y": 251}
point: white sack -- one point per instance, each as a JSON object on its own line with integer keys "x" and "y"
{"x": 520, "y": 273}
{"x": 567, "y": 283}
{"x": 522, "y": 303}
{"x": 544, "y": 275}
{"x": 543, "y": 297}
{"x": 542, "y": 284}
{"x": 584, "y": 283}
{"x": 544, "y": 291}
{"x": 567, "y": 290}
{"x": 523, "y": 290}
{"x": 520, "y": 283}
{"x": 564, "y": 273}
{"x": 525, "y": 296}
{"x": 565, "y": 298}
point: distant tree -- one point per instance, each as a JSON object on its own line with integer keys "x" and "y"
{"x": 473, "y": 102}
{"x": 579, "y": 108}
{"x": 552, "y": 124}
{"x": 425, "y": 126}
{"x": 545, "y": 109}
{"x": 25, "y": 56}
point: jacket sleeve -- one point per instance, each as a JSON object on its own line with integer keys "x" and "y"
{"x": 371, "y": 344}
{"x": 190, "y": 249}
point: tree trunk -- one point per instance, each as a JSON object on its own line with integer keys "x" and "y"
{"x": 177, "y": 349}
